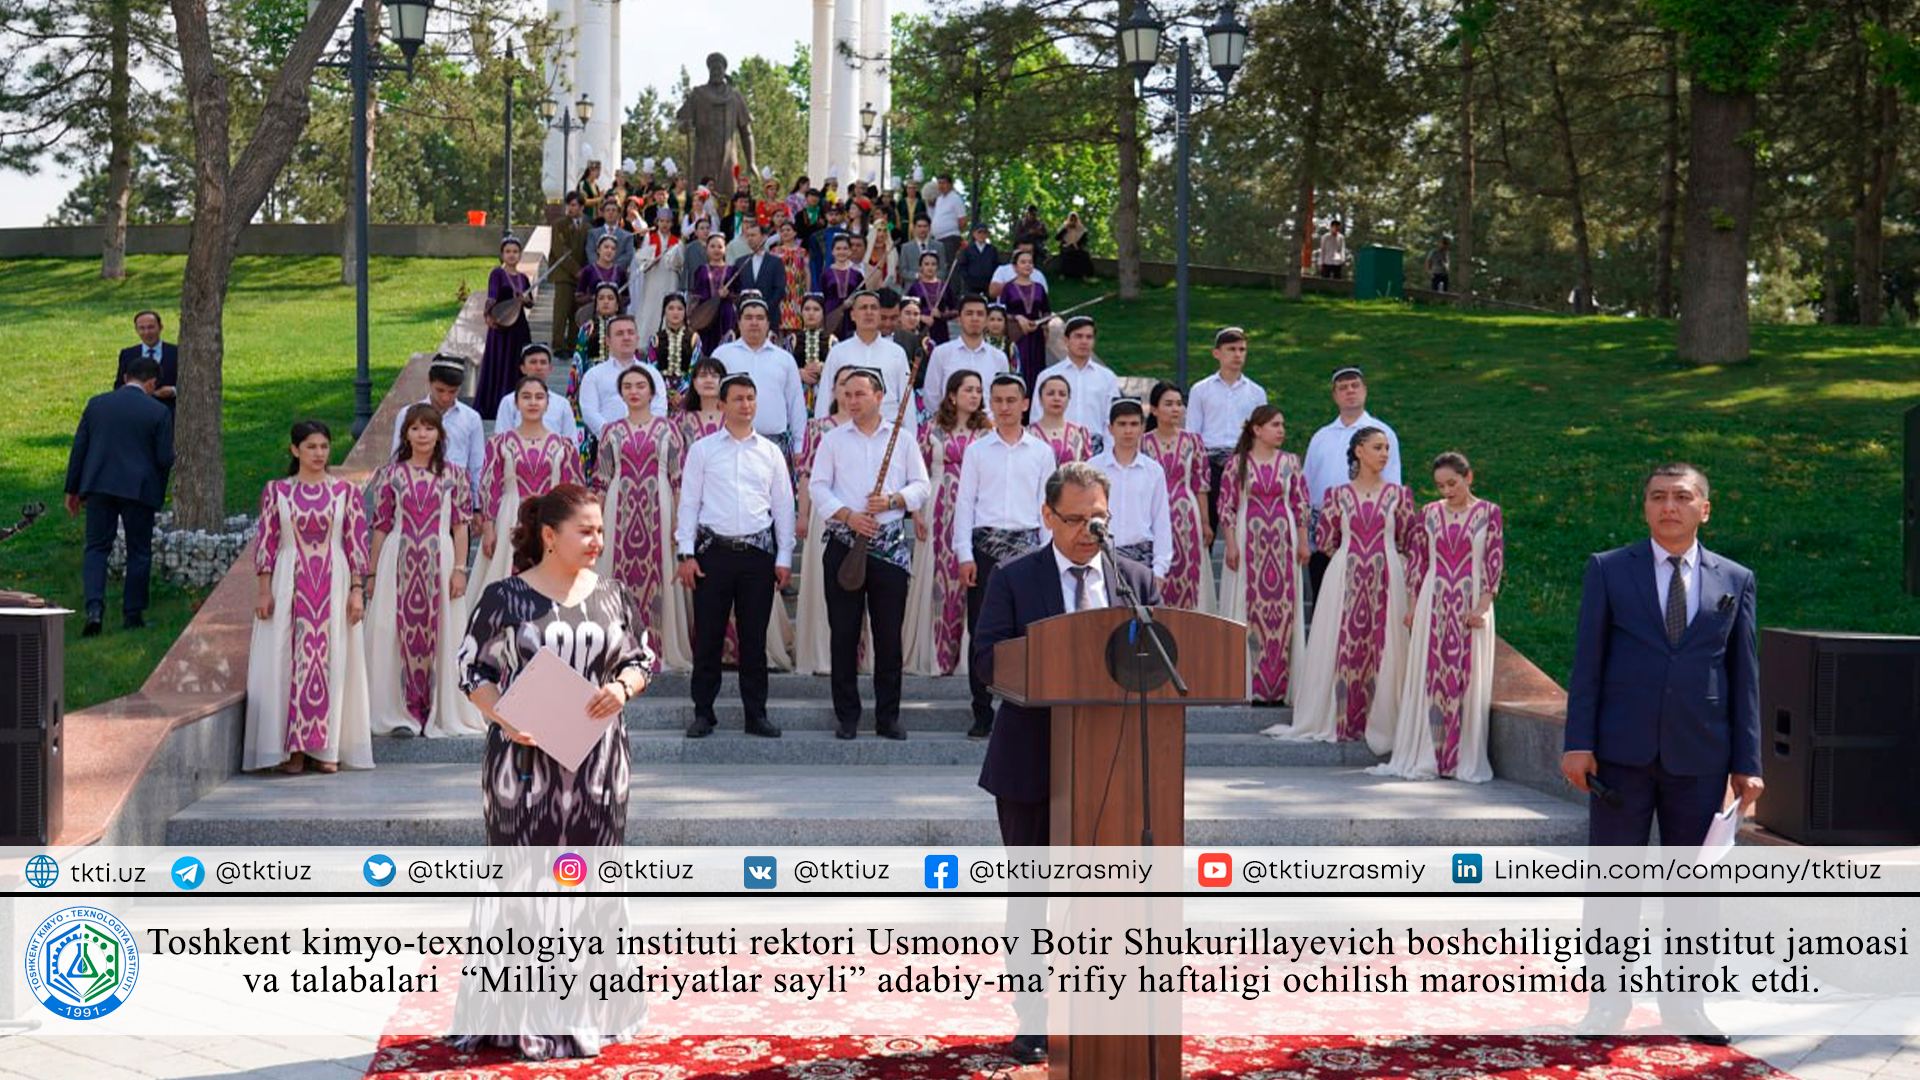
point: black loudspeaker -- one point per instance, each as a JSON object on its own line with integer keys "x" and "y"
{"x": 1840, "y": 737}
{"x": 1910, "y": 504}
{"x": 32, "y": 727}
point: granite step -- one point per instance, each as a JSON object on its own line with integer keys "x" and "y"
{"x": 692, "y": 804}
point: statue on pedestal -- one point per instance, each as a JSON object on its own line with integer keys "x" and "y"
{"x": 713, "y": 113}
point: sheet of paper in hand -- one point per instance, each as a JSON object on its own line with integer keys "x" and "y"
{"x": 549, "y": 702}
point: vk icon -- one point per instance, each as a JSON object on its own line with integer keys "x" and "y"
{"x": 763, "y": 871}
{"x": 1466, "y": 869}
{"x": 943, "y": 872}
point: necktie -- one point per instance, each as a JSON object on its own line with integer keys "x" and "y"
{"x": 1676, "y": 600}
{"x": 150, "y": 353}
{"x": 1079, "y": 586}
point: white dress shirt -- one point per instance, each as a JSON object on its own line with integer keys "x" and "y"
{"x": 953, "y": 355}
{"x": 736, "y": 487}
{"x": 1004, "y": 273}
{"x": 1218, "y": 409}
{"x": 1094, "y": 389}
{"x": 1333, "y": 248}
{"x": 885, "y": 356}
{"x": 558, "y": 417}
{"x": 848, "y": 459}
{"x": 466, "y": 441}
{"x": 948, "y": 211}
{"x": 1002, "y": 486}
{"x": 1096, "y": 583}
{"x": 1326, "y": 463}
{"x": 1663, "y": 578}
{"x": 600, "y": 402}
{"x": 1137, "y": 506}
{"x": 776, "y": 385}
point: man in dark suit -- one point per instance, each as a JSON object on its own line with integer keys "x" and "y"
{"x": 164, "y": 353}
{"x": 978, "y": 261}
{"x": 118, "y": 469}
{"x": 762, "y": 270}
{"x": 1070, "y": 574}
{"x": 1663, "y": 711}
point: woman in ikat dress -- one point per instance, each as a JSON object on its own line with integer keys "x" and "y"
{"x": 936, "y": 631}
{"x": 307, "y": 671}
{"x": 1455, "y": 566}
{"x": 1356, "y": 656}
{"x": 526, "y": 461}
{"x": 1263, "y": 530}
{"x": 1183, "y": 457}
{"x": 416, "y": 610}
{"x": 1070, "y": 441}
{"x": 637, "y": 478}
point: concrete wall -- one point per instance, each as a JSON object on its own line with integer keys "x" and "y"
{"x": 419, "y": 241}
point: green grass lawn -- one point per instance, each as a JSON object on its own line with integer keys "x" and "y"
{"x": 1561, "y": 418}
{"x": 289, "y": 354}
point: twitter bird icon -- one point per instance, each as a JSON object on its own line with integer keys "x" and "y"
{"x": 378, "y": 871}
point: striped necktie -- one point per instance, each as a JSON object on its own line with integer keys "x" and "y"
{"x": 1676, "y": 599}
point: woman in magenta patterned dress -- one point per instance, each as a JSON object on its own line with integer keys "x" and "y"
{"x": 415, "y": 607}
{"x": 1027, "y": 311}
{"x": 1070, "y": 441}
{"x": 306, "y": 667}
{"x": 637, "y": 478}
{"x": 529, "y": 460}
{"x": 1183, "y": 457}
{"x": 1263, "y": 531}
{"x": 1454, "y": 566}
{"x": 936, "y": 601}
{"x": 1350, "y": 684}
{"x": 500, "y": 362}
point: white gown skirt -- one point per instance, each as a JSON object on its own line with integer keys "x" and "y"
{"x": 1233, "y": 605}
{"x": 1413, "y": 747}
{"x": 452, "y": 713}
{"x": 671, "y": 638}
{"x": 1315, "y": 708}
{"x": 916, "y": 639}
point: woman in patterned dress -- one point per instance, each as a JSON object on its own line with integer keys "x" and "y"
{"x": 793, "y": 257}
{"x": 997, "y": 331}
{"x": 710, "y": 281}
{"x": 307, "y": 673}
{"x": 1183, "y": 457}
{"x": 1350, "y": 684}
{"x": 810, "y": 344}
{"x": 636, "y": 480}
{"x": 1263, "y": 531}
{"x": 1027, "y": 311}
{"x": 553, "y": 601}
{"x": 810, "y": 639}
{"x": 1070, "y": 441}
{"x": 1454, "y": 568}
{"x": 589, "y": 349}
{"x": 936, "y": 601}
{"x": 526, "y": 461}
{"x": 415, "y": 607}
{"x": 675, "y": 348}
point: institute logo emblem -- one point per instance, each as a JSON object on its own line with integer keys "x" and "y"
{"x": 82, "y": 963}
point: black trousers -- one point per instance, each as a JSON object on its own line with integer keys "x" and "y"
{"x": 737, "y": 585}
{"x": 104, "y": 514}
{"x": 881, "y": 602}
{"x": 1216, "y": 465}
{"x": 1317, "y": 569}
{"x": 983, "y": 565}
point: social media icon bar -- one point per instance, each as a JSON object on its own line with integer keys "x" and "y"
{"x": 188, "y": 872}
{"x": 1216, "y": 870}
{"x": 762, "y": 871}
{"x": 570, "y": 869}
{"x": 943, "y": 872}
{"x": 1466, "y": 869}
{"x": 378, "y": 871}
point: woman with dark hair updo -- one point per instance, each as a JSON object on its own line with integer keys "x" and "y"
{"x": 700, "y": 412}
{"x": 636, "y": 478}
{"x": 1356, "y": 654}
{"x": 307, "y": 669}
{"x": 522, "y": 462}
{"x": 936, "y": 601}
{"x": 554, "y": 601}
{"x": 1183, "y": 457}
{"x": 1263, "y": 533}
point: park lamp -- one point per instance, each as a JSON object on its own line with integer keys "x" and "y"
{"x": 1140, "y": 41}
{"x": 867, "y": 117}
{"x": 1226, "y": 44}
{"x": 583, "y": 109}
{"x": 407, "y": 22}
{"x": 549, "y": 108}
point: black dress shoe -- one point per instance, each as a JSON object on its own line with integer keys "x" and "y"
{"x": 763, "y": 729}
{"x": 892, "y": 731}
{"x": 980, "y": 730}
{"x": 91, "y": 629}
{"x": 1606, "y": 1017}
{"x": 1691, "y": 1023}
{"x": 133, "y": 621}
{"x": 1028, "y": 1049}
{"x": 845, "y": 733}
{"x": 701, "y": 727}
{"x": 96, "y": 614}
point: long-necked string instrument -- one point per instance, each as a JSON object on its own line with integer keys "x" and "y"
{"x": 507, "y": 311}
{"x": 707, "y": 310}
{"x": 853, "y": 569}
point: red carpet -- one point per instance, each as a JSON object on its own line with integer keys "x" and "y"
{"x": 410, "y": 1049}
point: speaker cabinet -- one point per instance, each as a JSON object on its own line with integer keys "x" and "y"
{"x": 32, "y": 726}
{"x": 1840, "y": 737}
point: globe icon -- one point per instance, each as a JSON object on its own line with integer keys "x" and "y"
{"x": 42, "y": 872}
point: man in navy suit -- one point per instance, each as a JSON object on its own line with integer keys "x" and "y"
{"x": 1663, "y": 709}
{"x": 761, "y": 270}
{"x": 1070, "y": 574}
{"x": 117, "y": 470}
{"x": 164, "y": 353}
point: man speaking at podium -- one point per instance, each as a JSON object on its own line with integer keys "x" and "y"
{"x": 1070, "y": 574}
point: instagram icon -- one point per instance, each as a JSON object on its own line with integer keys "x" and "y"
{"x": 569, "y": 869}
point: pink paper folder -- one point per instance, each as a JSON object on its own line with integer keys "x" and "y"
{"x": 549, "y": 702}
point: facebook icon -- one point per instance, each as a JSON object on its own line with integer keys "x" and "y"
{"x": 1466, "y": 869}
{"x": 762, "y": 871}
{"x": 943, "y": 872}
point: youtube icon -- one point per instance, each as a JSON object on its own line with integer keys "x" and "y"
{"x": 1216, "y": 870}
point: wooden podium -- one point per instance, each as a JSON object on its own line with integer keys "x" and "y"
{"x": 1095, "y": 753}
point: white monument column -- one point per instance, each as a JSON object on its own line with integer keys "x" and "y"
{"x": 616, "y": 107}
{"x": 843, "y": 150}
{"x": 593, "y": 45}
{"x": 560, "y": 72}
{"x": 876, "y": 51}
{"x": 820, "y": 96}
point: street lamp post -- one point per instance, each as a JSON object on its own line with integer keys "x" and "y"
{"x": 506, "y": 145}
{"x": 1140, "y": 50}
{"x": 408, "y": 25}
{"x": 868, "y": 145}
{"x": 563, "y": 121}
